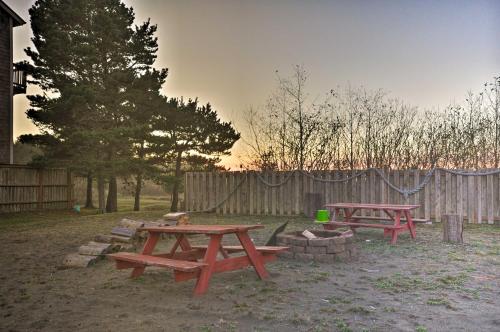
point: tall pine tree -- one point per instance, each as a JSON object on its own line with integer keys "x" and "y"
{"x": 87, "y": 57}
{"x": 187, "y": 134}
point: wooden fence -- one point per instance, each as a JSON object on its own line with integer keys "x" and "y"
{"x": 475, "y": 198}
{"x": 24, "y": 188}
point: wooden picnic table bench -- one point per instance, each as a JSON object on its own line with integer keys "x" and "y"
{"x": 199, "y": 261}
{"x": 394, "y": 213}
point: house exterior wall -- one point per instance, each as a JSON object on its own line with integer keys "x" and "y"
{"x": 5, "y": 88}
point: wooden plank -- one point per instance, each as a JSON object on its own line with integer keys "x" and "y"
{"x": 497, "y": 199}
{"x": 471, "y": 203}
{"x": 282, "y": 201}
{"x": 266, "y": 193}
{"x": 157, "y": 261}
{"x": 406, "y": 184}
{"x": 437, "y": 196}
{"x": 211, "y": 190}
{"x": 396, "y": 197}
{"x": 373, "y": 191}
{"x": 364, "y": 190}
{"x": 238, "y": 178}
{"x": 383, "y": 188}
{"x": 489, "y": 201}
{"x": 328, "y": 190}
{"x": 479, "y": 200}
{"x": 40, "y": 189}
{"x": 186, "y": 191}
{"x": 416, "y": 197}
{"x": 251, "y": 189}
{"x": 460, "y": 208}
{"x": 296, "y": 180}
{"x": 222, "y": 193}
{"x": 448, "y": 194}
{"x": 274, "y": 196}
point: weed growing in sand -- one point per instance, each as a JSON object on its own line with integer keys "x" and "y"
{"x": 453, "y": 281}
{"x": 342, "y": 325}
{"x": 359, "y": 310}
{"x": 439, "y": 301}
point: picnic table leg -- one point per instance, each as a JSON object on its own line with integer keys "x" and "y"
{"x": 347, "y": 218}
{"x": 210, "y": 258}
{"x": 252, "y": 253}
{"x": 146, "y": 250}
{"x": 411, "y": 225}
{"x": 397, "y": 222}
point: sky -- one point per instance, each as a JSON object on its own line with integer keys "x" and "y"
{"x": 226, "y": 52}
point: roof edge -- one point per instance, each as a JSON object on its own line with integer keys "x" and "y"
{"x": 17, "y": 19}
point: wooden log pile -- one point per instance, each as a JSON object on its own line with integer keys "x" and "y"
{"x": 126, "y": 236}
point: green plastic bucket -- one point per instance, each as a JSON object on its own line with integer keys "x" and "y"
{"x": 322, "y": 216}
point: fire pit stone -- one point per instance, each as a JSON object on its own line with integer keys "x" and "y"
{"x": 328, "y": 247}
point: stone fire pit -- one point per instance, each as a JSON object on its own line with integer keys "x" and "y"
{"x": 328, "y": 247}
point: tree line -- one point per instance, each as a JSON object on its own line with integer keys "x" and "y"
{"x": 356, "y": 128}
{"x": 100, "y": 111}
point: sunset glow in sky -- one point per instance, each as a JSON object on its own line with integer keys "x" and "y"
{"x": 226, "y": 52}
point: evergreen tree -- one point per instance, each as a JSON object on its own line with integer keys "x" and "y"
{"x": 87, "y": 55}
{"x": 190, "y": 135}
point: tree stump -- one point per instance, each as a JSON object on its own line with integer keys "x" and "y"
{"x": 452, "y": 228}
{"x": 312, "y": 203}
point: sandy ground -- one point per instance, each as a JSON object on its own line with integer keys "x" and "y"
{"x": 421, "y": 285}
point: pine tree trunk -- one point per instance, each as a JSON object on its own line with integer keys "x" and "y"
{"x": 88, "y": 202}
{"x": 101, "y": 194}
{"x": 175, "y": 189}
{"x": 112, "y": 201}
{"x": 138, "y": 188}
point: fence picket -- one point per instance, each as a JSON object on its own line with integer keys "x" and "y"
{"x": 473, "y": 197}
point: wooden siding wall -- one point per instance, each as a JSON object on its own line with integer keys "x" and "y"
{"x": 475, "y": 198}
{"x": 24, "y": 188}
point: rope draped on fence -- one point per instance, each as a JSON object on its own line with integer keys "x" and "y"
{"x": 406, "y": 192}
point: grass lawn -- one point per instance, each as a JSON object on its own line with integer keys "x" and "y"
{"x": 421, "y": 285}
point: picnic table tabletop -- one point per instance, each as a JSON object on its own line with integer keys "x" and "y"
{"x": 201, "y": 229}
{"x": 375, "y": 206}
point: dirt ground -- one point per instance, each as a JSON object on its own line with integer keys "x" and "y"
{"x": 422, "y": 285}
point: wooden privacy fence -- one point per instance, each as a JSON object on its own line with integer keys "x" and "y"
{"x": 474, "y": 197}
{"x": 24, "y": 188}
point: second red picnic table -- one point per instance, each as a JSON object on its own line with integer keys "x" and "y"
{"x": 199, "y": 261}
{"x": 395, "y": 212}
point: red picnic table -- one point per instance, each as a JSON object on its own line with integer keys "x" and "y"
{"x": 199, "y": 261}
{"x": 393, "y": 211}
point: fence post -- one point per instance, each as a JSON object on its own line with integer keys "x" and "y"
{"x": 40, "y": 189}
{"x": 69, "y": 188}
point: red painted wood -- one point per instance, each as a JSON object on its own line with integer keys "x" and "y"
{"x": 236, "y": 263}
{"x": 410, "y": 224}
{"x": 190, "y": 255}
{"x": 150, "y": 243}
{"x": 254, "y": 256}
{"x": 372, "y": 206}
{"x": 184, "y": 276}
{"x": 201, "y": 229}
{"x": 231, "y": 249}
{"x": 209, "y": 260}
{"x": 358, "y": 224}
{"x": 148, "y": 260}
{"x": 225, "y": 265}
{"x": 120, "y": 265}
{"x": 393, "y": 211}
{"x": 148, "y": 248}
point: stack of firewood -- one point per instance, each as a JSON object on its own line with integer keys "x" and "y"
{"x": 124, "y": 237}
